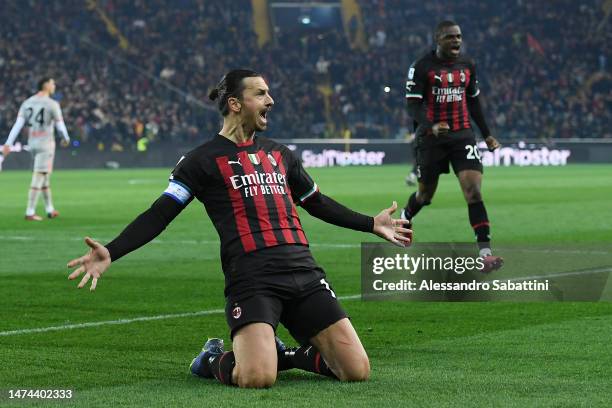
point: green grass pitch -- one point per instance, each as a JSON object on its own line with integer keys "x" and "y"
{"x": 422, "y": 354}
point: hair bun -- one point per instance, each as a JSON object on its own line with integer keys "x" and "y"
{"x": 214, "y": 94}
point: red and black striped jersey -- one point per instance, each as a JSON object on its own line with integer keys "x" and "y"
{"x": 249, "y": 190}
{"x": 443, "y": 87}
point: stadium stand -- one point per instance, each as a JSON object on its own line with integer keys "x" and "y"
{"x": 129, "y": 69}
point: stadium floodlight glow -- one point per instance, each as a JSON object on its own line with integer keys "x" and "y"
{"x": 305, "y": 20}
{"x": 387, "y": 89}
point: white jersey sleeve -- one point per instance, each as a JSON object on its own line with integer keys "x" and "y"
{"x": 15, "y": 130}
{"x": 22, "y": 108}
{"x": 56, "y": 112}
{"x": 61, "y": 127}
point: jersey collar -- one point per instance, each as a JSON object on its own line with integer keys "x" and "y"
{"x": 247, "y": 143}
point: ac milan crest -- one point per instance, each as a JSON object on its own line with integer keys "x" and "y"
{"x": 272, "y": 160}
{"x": 237, "y": 312}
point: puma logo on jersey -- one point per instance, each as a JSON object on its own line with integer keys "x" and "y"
{"x": 235, "y": 162}
{"x": 439, "y": 78}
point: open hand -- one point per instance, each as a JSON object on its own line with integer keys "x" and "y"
{"x": 393, "y": 230}
{"x": 93, "y": 263}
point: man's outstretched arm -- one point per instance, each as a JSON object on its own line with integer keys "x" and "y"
{"x": 142, "y": 230}
{"x": 326, "y": 209}
{"x": 305, "y": 193}
{"x": 145, "y": 227}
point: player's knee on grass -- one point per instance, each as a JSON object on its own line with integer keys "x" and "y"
{"x": 256, "y": 359}
{"x": 357, "y": 369}
{"x": 255, "y": 376}
{"x": 343, "y": 352}
{"x": 257, "y": 371}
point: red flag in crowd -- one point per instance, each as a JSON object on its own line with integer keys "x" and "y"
{"x": 534, "y": 44}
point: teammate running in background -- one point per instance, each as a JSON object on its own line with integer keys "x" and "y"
{"x": 250, "y": 187}
{"x": 442, "y": 93}
{"x": 40, "y": 114}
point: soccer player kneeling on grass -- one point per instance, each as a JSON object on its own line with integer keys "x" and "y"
{"x": 250, "y": 186}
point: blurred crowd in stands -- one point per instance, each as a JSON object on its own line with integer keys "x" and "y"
{"x": 544, "y": 67}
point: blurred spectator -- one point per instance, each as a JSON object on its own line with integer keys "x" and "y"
{"x": 542, "y": 67}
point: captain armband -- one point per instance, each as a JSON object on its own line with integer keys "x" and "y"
{"x": 179, "y": 192}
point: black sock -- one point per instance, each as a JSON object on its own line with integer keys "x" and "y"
{"x": 222, "y": 366}
{"x": 413, "y": 206}
{"x": 285, "y": 360}
{"x": 306, "y": 358}
{"x": 480, "y": 224}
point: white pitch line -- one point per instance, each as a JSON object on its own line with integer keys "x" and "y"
{"x": 171, "y": 242}
{"x": 143, "y": 181}
{"x": 127, "y": 321}
{"x": 314, "y": 245}
{"x": 561, "y": 275}
{"x": 218, "y": 311}
{"x": 109, "y": 322}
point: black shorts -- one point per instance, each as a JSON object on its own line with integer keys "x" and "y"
{"x": 433, "y": 154}
{"x": 286, "y": 286}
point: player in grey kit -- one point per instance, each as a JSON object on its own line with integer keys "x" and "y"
{"x": 40, "y": 114}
